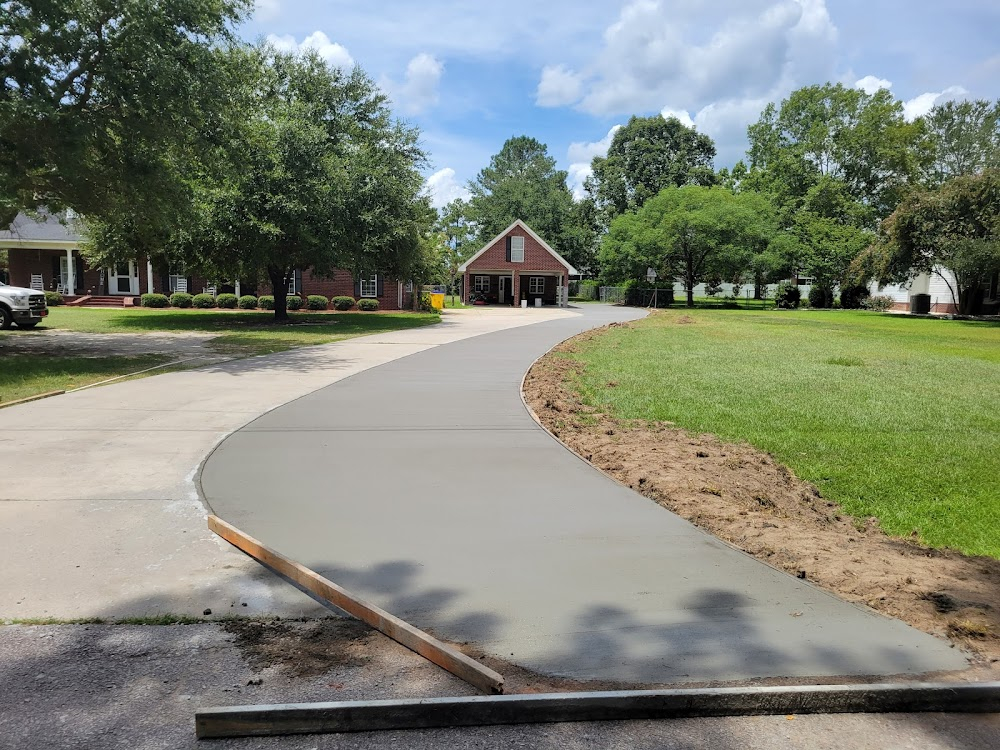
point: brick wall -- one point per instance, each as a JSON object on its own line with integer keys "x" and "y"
{"x": 341, "y": 284}
{"x": 536, "y": 258}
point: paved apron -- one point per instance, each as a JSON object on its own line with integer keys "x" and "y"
{"x": 425, "y": 486}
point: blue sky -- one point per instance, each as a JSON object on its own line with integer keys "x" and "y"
{"x": 470, "y": 75}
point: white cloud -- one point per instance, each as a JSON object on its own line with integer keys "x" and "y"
{"x": 580, "y": 155}
{"x": 871, "y": 84}
{"x": 559, "y": 86}
{"x": 443, "y": 188}
{"x": 336, "y": 55}
{"x": 680, "y": 114}
{"x": 694, "y": 54}
{"x": 920, "y": 105}
{"x": 419, "y": 88}
{"x": 266, "y": 10}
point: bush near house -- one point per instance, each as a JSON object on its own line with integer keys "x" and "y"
{"x": 180, "y": 299}
{"x": 265, "y": 302}
{"x": 877, "y": 303}
{"x": 154, "y": 300}
{"x": 226, "y": 301}
{"x": 852, "y": 297}
{"x": 342, "y": 303}
{"x": 820, "y": 297}
{"x": 368, "y": 305}
{"x": 248, "y": 302}
{"x": 203, "y": 301}
{"x": 54, "y": 299}
{"x": 787, "y": 296}
{"x": 317, "y": 302}
{"x": 293, "y": 303}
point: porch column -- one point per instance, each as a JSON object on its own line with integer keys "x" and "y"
{"x": 149, "y": 276}
{"x": 70, "y": 281}
{"x": 517, "y": 288}
{"x": 236, "y": 286}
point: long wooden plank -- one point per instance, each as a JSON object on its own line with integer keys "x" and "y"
{"x": 363, "y": 716}
{"x": 28, "y": 399}
{"x": 431, "y": 648}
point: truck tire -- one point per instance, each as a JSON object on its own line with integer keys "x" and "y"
{"x": 5, "y": 318}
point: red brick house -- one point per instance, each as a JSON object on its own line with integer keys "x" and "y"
{"x": 517, "y": 265}
{"x": 45, "y": 255}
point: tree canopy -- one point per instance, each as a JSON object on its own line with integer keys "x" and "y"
{"x": 102, "y": 100}
{"x": 646, "y": 156}
{"x": 963, "y": 139}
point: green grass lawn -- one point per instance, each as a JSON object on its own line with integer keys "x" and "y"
{"x": 454, "y": 302}
{"x": 891, "y": 416}
{"x": 24, "y": 375}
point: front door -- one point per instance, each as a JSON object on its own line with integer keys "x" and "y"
{"x": 502, "y": 296}
{"x": 123, "y": 278}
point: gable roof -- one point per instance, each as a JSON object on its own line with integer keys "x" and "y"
{"x": 34, "y": 231}
{"x": 518, "y": 223}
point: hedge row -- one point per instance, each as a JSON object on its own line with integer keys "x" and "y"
{"x": 249, "y": 302}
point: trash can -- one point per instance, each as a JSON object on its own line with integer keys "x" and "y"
{"x": 538, "y": 301}
{"x": 524, "y": 303}
{"x": 437, "y": 300}
{"x": 920, "y": 304}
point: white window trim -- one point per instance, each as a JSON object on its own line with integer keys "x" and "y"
{"x": 517, "y": 253}
{"x": 533, "y": 283}
{"x": 175, "y": 275}
{"x": 481, "y": 284}
{"x": 369, "y": 286}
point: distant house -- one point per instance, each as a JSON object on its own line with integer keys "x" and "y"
{"x": 939, "y": 287}
{"x": 517, "y": 265}
{"x": 44, "y": 254}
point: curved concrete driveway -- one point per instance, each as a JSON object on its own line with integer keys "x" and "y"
{"x": 425, "y": 486}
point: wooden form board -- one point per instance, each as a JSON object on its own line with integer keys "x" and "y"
{"x": 363, "y": 716}
{"x": 445, "y": 656}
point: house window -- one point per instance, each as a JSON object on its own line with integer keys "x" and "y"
{"x": 481, "y": 284}
{"x": 409, "y": 287}
{"x": 536, "y": 285}
{"x": 517, "y": 249}
{"x": 369, "y": 286}
{"x": 177, "y": 280}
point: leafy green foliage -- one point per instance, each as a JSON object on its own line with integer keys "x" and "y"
{"x": 877, "y": 302}
{"x": 317, "y": 302}
{"x": 646, "y": 156}
{"x": 226, "y": 301}
{"x": 265, "y": 302}
{"x": 963, "y": 138}
{"x": 154, "y": 300}
{"x": 820, "y": 296}
{"x": 248, "y": 302}
{"x": 181, "y": 299}
{"x": 54, "y": 299}
{"x": 294, "y": 302}
{"x": 342, "y": 303}
{"x": 203, "y": 301}
{"x": 852, "y": 295}
{"x": 367, "y": 304}
{"x": 787, "y": 296}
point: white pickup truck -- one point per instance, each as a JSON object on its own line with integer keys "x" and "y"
{"x": 25, "y": 307}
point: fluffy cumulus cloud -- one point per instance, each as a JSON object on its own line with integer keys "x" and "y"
{"x": 559, "y": 86}
{"x": 681, "y": 114}
{"x": 580, "y": 155}
{"x": 871, "y": 84}
{"x": 419, "y": 88}
{"x": 443, "y": 188}
{"x": 920, "y": 105}
{"x": 335, "y": 54}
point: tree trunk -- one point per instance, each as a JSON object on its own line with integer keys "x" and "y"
{"x": 279, "y": 289}
{"x": 689, "y": 283}
{"x": 967, "y": 299}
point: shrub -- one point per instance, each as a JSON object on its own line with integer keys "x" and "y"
{"x": 852, "y": 296}
{"x": 425, "y": 303}
{"x": 713, "y": 287}
{"x": 54, "y": 299}
{"x": 180, "y": 299}
{"x": 247, "y": 302}
{"x": 367, "y": 304}
{"x": 226, "y": 301}
{"x": 317, "y": 302}
{"x": 787, "y": 296}
{"x": 820, "y": 296}
{"x": 265, "y": 302}
{"x": 293, "y": 302}
{"x": 589, "y": 289}
{"x": 154, "y": 300}
{"x": 342, "y": 303}
{"x": 203, "y": 301}
{"x": 878, "y": 302}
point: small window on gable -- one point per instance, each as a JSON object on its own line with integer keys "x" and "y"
{"x": 517, "y": 249}
{"x": 481, "y": 284}
{"x": 369, "y": 286}
{"x": 536, "y": 285}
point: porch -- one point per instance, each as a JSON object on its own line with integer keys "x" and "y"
{"x": 509, "y": 287}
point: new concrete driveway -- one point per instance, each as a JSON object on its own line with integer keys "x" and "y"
{"x": 425, "y": 486}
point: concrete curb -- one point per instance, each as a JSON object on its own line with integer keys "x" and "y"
{"x": 363, "y": 716}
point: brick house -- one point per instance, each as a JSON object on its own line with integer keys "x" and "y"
{"x": 517, "y": 265}
{"x": 45, "y": 254}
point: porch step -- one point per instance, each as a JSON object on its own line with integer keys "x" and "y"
{"x": 95, "y": 301}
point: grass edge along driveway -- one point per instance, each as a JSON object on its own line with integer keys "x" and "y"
{"x": 890, "y": 416}
{"x": 240, "y": 334}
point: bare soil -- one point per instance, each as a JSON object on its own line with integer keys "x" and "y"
{"x": 746, "y": 498}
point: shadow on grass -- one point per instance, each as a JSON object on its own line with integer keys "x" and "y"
{"x": 322, "y": 324}
{"x": 26, "y": 375}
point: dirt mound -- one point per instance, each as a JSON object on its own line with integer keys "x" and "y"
{"x": 743, "y": 496}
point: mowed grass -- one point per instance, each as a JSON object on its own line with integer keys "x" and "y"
{"x": 24, "y": 375}
{"x": 890, "y": 416}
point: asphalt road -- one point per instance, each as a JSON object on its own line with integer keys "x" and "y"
{"x": 424, "y": 485}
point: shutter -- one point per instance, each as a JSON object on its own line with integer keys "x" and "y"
{"x": 508, "y": 249}
{"x": 165, "y": 283}
{"x": 357, "y": 288}
{"x": 78, "y": 280}
{"x": 379, "y": 286}
{"x": 297, "y": 275}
